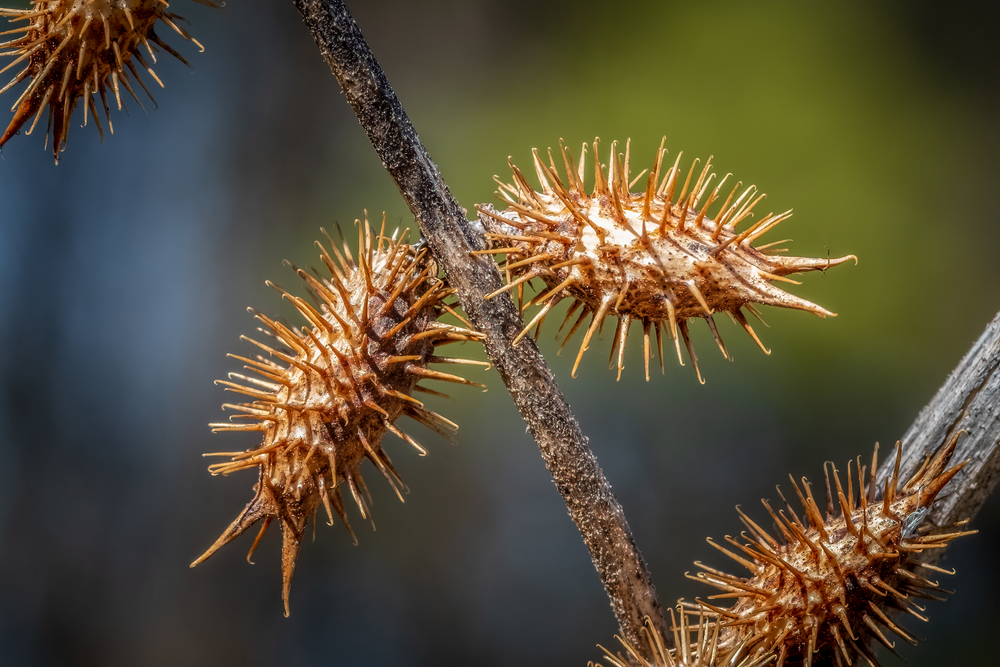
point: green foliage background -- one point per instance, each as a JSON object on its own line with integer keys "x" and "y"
{"x": 129, "y": 266}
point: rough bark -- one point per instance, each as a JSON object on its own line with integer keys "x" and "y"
{"x": 562, "y": 444}
{"x": 969, "y": 401}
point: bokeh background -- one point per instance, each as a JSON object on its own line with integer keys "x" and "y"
{"x": 126, "y": 272}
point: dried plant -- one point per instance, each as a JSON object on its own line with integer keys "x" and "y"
{"x": 827, "y": 585}
{"x": 695, "y": 637}
{"x": 654, "y": 257}
{"x": 324, "y": 394}
{"x": 561, "y": 443}
{"x": 327, "y": 392}
{"x": 73, "y": 50}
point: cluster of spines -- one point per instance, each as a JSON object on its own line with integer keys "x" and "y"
{"x": 821, "y": 588}
{"x": 695, "y": 636}
{"x": 763, "y": 629}
{"x": 653, "y": 256}
{"x": 324, "y": 400}
{"x": 73, "y": 50}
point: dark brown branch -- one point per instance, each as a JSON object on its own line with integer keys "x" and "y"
{"x": 969, "y": 401}
{"x": 573, "y": 467}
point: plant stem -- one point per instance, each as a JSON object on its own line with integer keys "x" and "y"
{"x": 563, "y": 446}
{"x": 969, "y": 400}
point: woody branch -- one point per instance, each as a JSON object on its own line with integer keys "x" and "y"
{"x": 967, "y": 401}
{"x": 531, "y": 384}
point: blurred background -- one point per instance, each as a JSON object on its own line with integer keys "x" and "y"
{"x": 127, "y": 269}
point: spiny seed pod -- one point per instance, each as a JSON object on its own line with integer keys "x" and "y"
{"x": 324, "y": 400}
{"x": 655, "y": 257}
{"x": 696, "y": 645}
{"x": 826, "y": 587}
{"x": 73, "y": 49}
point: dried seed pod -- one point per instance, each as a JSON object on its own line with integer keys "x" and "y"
{"x": 655, "y": 257}
{"x": 696, "y": 638}
{"x": 824, "y": 588}
{"x": 326, "y": 393}
{"x": 73, "y": 50}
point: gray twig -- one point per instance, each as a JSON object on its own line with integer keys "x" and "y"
{"x": 563, "y": 446}
{"x": 969, "y": 401}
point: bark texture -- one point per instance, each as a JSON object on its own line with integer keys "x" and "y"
{"x": 573, "y": 466}
{"x": 969, "y": 400}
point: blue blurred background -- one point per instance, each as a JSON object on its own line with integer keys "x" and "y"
{"x": 126, "y": 272}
